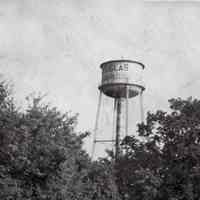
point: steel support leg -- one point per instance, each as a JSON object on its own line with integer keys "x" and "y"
{"x": 96, "y": 123}
{"x": 127, "y": 108}
{"x": 141, "y": 106}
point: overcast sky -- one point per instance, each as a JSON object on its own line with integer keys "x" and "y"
{"x": 56, "y": 47}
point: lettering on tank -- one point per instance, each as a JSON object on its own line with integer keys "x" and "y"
{"x": 115, "y": 73}
{"x": 121, "y": 72}
{"x": 115, "y": 67}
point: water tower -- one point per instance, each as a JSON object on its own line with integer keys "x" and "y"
{"x": 121, "y": 81}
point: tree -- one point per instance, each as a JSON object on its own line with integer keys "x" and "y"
{"x": 164, "y": 162}
{"x": 34, "y": 147}
{"x": 41, "y": 155}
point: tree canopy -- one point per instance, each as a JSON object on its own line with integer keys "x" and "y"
{"x": 41, "y": 156}
{"x": 164, "y": 161}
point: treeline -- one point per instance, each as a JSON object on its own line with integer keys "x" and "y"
{"x": 41, "y": 156}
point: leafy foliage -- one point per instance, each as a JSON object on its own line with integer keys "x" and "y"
{"x": 41, "y": 156}
{"x": 164, "y": 162}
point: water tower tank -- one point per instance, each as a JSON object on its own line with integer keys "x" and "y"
{"x": 118, "y": 74}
